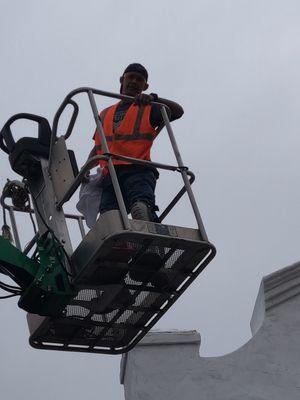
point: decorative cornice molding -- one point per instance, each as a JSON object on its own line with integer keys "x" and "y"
{"x": 281, "y": 286}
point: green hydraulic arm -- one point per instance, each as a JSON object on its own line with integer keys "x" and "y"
{"x": 43, "y": 280}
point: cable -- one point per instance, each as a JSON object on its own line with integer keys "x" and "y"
{"x": 10, "y": 287}
{"x": 30, "y": 216}
{"x": 8, "y": 296}
{"x": 15, "y": 292}
{"x": 37, "y": 208}
{"x": 5, "y": 271}
{"x": 54, "y": 238}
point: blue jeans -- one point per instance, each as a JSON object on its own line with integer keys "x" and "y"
{"x": 137, "y": 184}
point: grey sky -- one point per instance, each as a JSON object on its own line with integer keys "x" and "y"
{"x": 234, "y": 66}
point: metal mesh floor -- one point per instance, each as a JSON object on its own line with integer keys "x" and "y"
{"x": 128, "y": 286}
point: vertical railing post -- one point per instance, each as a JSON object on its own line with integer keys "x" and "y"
{"x": 184, "y": 174}
{"x": 81, "y": 227}
{"x": 111, "y": 167}
{"x": 14, "y": 227}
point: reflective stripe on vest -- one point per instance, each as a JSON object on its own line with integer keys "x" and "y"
{"x": 135, "y": 132}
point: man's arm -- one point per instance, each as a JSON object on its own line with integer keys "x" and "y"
{"x": 175, "y": 108}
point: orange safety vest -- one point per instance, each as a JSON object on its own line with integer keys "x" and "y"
{"x": 133, "y": 137}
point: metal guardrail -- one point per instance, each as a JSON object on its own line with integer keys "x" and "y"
{"x": 187, "y": 176}
{"x": 12, "y": 209}
{"x": 185, "y": 173}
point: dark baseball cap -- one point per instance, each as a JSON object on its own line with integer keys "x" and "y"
{"x": 135, "y": 67}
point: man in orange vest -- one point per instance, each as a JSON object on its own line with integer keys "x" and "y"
{"x": 130, "y": 129}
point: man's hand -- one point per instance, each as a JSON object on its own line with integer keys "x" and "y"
{"x": 146, "y": 99}
{"x": 143, "y": 99}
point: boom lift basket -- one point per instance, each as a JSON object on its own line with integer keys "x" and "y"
{"x": 127, "y": 272}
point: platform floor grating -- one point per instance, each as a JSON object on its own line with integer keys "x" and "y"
{"x": 125, "y": 290}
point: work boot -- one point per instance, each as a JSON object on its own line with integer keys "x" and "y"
{"x": 141, "y": 210}
{"x": 165, "y": 280}
{"x": 113, "y": 297}
{"x": 145, "y": 267}
{"x": 107, "y": 273}
{"x": 121, "y": 300}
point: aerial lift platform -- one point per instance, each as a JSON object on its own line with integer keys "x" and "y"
{"x": 105, "y": 295}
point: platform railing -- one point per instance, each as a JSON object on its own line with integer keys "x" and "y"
{"x": 16, "y": 237}
{"x": 187, "y": 176}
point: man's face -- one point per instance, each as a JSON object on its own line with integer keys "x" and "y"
{"x": 133, "y": 83}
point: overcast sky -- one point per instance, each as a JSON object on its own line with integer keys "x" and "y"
{"x": 234, "y": 66}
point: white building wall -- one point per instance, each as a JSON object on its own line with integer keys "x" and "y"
{"x": 167, "y": 365}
